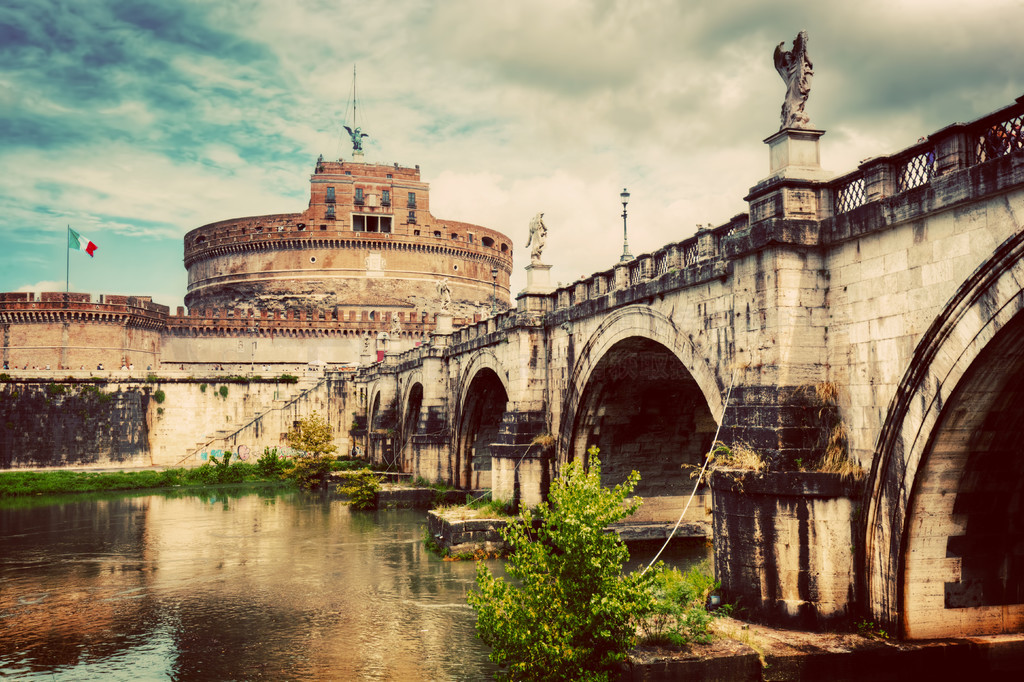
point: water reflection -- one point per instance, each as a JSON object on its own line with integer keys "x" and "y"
{"x": 231, "y": 585}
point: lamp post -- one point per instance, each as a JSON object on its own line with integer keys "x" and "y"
{"x": 626, "y": 255}
{"x": 494, "y": 290}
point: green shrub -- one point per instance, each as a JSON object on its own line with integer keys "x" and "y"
{"x": 679, "y": 612}
{"x": 288, "y": 379}
{"x": 55, "y": 389}
{"x": 270, "y": 464}
{"x": 202, "y": 388}
{"x": 223, "y": 391}
{"x": 159, "y": 396}
{"x": 152, "y": 379}
{"x": 5, "y": 377}
{"x": 361, "y": 487}
{"x": 574, "y": 613}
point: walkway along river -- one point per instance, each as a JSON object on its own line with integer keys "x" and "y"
{"x": 231, "y": 584}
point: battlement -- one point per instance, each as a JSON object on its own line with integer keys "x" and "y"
{"x": 80, "y": 306}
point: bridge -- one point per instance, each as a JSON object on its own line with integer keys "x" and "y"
{"x": 873, "y": 315}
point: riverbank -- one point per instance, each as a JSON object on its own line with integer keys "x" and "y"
{"x": 749, "y": 652}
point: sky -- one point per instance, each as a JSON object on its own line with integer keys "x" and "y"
{"x": 136, "y": 121}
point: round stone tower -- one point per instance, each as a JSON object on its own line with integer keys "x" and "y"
{"x": 367, "y": 241}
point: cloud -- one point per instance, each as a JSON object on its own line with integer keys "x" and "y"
{"x": 139, "y": 121}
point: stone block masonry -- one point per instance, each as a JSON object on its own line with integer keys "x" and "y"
{"x": 895, "y": 289}
{"x": 168, "y": 423}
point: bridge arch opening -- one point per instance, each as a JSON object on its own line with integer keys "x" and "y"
{"x": 372, "y": 420}
{"x": 482, "y": 410}
{"x": 645, "y": 411}
{"x": 410, "y": 421}
{"x": 963, "y": 558}
{"x": 941, "y": 458}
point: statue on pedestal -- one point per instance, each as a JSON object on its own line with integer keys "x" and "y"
{"x": 366, "y": 343}
{"x": 538, "y": 236}
{"x": 396, "y": 325}
{"x": 796, "y": 69}
{"x": 445, "y": 293}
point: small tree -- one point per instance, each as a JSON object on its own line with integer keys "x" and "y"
{"x": 575, "y": 615}
{"x": 313, "y": 438}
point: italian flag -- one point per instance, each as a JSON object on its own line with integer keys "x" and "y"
{"x": 77, "y": 241}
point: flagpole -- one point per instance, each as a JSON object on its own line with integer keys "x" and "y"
{"x": 67, "y": 269}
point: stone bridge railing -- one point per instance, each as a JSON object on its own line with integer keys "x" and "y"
{"x": 704, "y": 256}
{"x": 951, "y": 149}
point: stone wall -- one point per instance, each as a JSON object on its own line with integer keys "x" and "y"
{"x": 160, "y": 423}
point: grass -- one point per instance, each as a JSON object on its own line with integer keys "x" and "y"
{"x": 482, "y": 508}
{"x": 739, "y": 456}
{"x": 21, "y": 483}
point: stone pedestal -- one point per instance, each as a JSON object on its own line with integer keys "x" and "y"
{"x": 794, "y": 153}
{"x": 538, "y": 279}
{"x": 444, "y": 323}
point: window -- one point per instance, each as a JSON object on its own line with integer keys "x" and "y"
{"x": 454, "y": 236}
{"x": 415, "y": 233}
{"x": 488, "y": 242}
{"x": 437, "y": 233}
{"x": 330, "y": 211}
{"x": 412, "y": 217}
{"x": 359, "y": 196}
{"x": 469, "y": 237}
{"x": 371, "y": 223}
{"x": 389, "y": 176}
{"x": 385, "y": 198}
{"x": 330, "y": 195}
{"x": 348, "y": 172}
{"x": 412, "y": 200}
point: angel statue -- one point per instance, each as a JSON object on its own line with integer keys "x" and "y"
{"x": 396, "y": 325}
{"x": 538, "y": 236}
{"x": 796, "y": 69}
{"x": 366, "y": 343}
{"x": 357, "y": 136}
{"x": 445, "y": 292}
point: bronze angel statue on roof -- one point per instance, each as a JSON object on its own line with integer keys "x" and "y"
{"x": 357, "y": 136}
{"x": 796, "y": 69}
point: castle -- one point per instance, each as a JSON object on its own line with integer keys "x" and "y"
{"x": 360, "y": 267}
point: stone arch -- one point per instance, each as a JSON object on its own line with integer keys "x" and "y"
{"x": 381, "y": 414}
{"x": 629, "y": 322}
{"x": 918, "y": 460}
{"x": 483, "y": 399}
{"x": 411, "y": 406}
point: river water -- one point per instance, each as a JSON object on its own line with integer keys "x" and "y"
{"x": 232, "y": 584}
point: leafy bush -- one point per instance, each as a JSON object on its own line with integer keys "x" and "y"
{"x": 575, "y": 614}
{"x": 270, "y": 464}
{"x": 361, "y": 487}
{"x": 288, "y": 379}
{"x": 202, "y": 388}
{"x": 55, "y": 389}
{"x": 223, "y": 391}
{"x": 159, "y": 396}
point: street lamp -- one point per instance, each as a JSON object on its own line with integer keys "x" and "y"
{"x": 626, "y": 255}
{"x": 494, "y": 292}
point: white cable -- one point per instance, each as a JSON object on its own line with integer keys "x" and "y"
{"x": 707, "y": 460}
